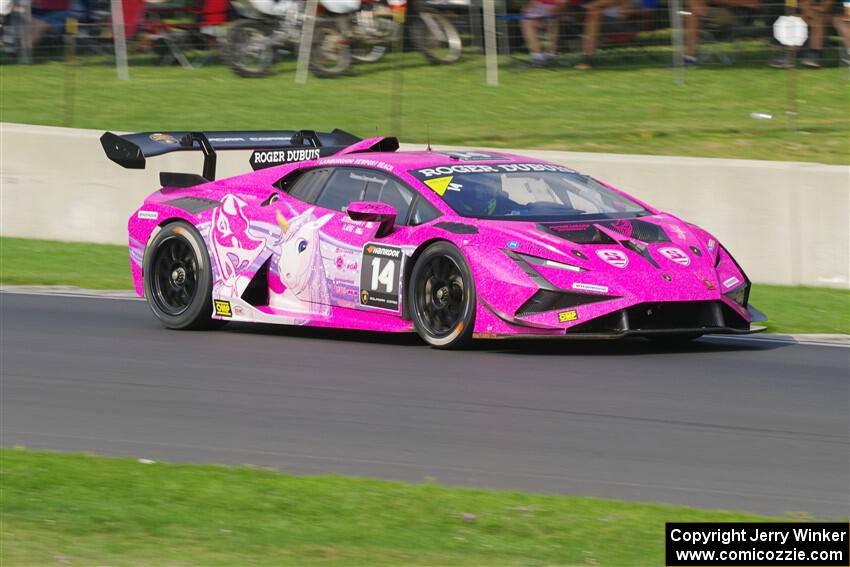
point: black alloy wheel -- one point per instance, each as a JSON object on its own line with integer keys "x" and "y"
{"x": 442, "y": 297}
{"x": 175, "y": 273}
{"x": 178, "y": 278}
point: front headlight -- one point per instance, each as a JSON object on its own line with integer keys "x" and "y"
{"x": 740, "y": 294}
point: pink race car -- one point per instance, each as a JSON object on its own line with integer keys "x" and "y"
{"x": 334, "y": 231}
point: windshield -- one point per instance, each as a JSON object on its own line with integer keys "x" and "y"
{"x": 526, "y": 192}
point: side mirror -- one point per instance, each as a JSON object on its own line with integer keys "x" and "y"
{"x": 374, "y": 211}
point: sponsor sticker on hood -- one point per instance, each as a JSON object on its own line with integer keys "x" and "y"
{"x": 616, "y": 258}
{"x": 675, "y": 255}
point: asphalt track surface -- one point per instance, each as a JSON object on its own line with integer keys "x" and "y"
{"x": 754, "y": 426}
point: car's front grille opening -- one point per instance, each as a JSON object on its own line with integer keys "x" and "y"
{"x": 665, "y": 316}
{"x": 549, "y": 300}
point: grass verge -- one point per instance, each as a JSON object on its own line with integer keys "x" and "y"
{"x": 98, "y": 266}
{"x": 45, "y": 262}
{"x": 76, "y": 509}
{"x": 624, "y": 111}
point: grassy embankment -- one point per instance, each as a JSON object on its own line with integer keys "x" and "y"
{"x": 96, "y": 266}
{"x": 86, "y": 510}
{"x": 622, "y": 111}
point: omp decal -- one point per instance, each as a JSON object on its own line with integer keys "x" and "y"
{"x": 164, "y": 138}
{"x": 222, "y": 308}
{"x": 149, "y": 215}
{"x": 567, "y": 316}
{"x": 675, "y": 255}
{"x": 439, "y": 185}
{"x": 616, "y": 258}
{"x": 590, "y": 287}
{"x": 711, "y": 245}
{"x": 731, "y": 281}
{"x": 380, "y": 276}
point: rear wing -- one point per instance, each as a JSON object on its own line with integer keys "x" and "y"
{"x": 270, "y": 147}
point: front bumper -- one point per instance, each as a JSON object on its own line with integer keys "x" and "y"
{"x": 667, "y": 318}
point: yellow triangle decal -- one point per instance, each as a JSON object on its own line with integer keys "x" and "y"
{"x": 439, "y": 185}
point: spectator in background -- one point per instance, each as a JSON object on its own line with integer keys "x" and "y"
{"x": 595, "y": 10}
{"x": 49, "y": 16}
{"x": 538, "y": 12}
{"x": 698, "y": 9}
{"x": 817, "y": 16}
{"x": 213, "y": 16}
{"x": 842, "y": 25}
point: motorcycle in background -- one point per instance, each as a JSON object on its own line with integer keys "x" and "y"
{"x": 267, "y": 27}
{"x": 372, "y": 29}
{"x": 432, "y": 32}
{"x": 346, "y": 31}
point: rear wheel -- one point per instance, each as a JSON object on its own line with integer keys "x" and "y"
{"x": 442, "y": 297}
{"x": 178, "y": 278}
{"x": 250, "y": 52}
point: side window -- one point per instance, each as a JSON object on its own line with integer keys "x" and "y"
{"x": 344, "y": 186}
{"x": 304, "y": 186}
{"x": 423, "y": 211}
{"x": 387, "y": 190}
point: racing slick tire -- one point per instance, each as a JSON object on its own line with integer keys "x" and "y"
{"x": 331, "y": 53}
{"x": 249, "y": 51}
{"x": 441, "y": 293}
{"x": 177, "y": 277}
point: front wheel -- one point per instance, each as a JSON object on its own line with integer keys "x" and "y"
{"x": 442, "y": 297}
{"x": 250, "y": 52}
{"x": 178, "y": 278}
{"x": 331, "y": 54}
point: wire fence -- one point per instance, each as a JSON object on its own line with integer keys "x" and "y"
{"x": 251, "y": 37}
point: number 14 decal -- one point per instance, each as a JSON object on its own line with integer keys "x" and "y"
{"x": 385, "y": 277}
{"x": 379, "y": 276}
